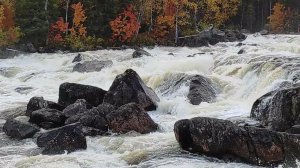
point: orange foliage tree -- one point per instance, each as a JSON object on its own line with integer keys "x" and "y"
{"x": 9, "y": 34}
{"x": 125, "y": 26}
{"x": 57, "y": 31}
{"x": 277, "y": 19}
{"x": 78, "y": 28}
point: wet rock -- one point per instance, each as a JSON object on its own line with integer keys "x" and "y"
{"x": 91, "y": 66}
{"x": 245, "y": 31}
{"x": 23, "y": 90}
{"x": 242, "y": 51}
{"x": 201, "y": 90}
{"x": 278, "y": 110}
{"x": 70, "y": 92}
{"x": 19, "y": 128}
{"x": 36, "y": 103}
{"x": 68, "y": 138}
{"x": 78, "y": 58}
{"x": 264, "y": 32}
{"x": 13, "y": 112}
{"x": 223, "y": 139}
{"x": 89, "y": 131}
{"x": 91, "y": 118}
{"x": 131, "y": 117}
{"x": 73, "y": 109}
{"x": 104, "y": 109}
{"x": 294, "y": 130}
{"x": 139, "y": 53}
{"x": 47, "y": 118}
{"x": 211, "y": 36}
{"x": 129, "y": 87}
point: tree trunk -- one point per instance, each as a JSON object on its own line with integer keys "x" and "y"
{"x": 47, "y": 20}
{"x": 67, "y": 10}
{"x": 176, "y": 26}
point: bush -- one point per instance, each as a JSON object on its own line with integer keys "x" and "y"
{"x": 143, "y": 39}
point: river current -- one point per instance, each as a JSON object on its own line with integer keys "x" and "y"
{"x": 268, "y": 62}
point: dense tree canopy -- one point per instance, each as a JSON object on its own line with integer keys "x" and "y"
{"x": 86, "y": 24}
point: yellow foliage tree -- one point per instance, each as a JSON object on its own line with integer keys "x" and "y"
{"x": 277, "y": 19}
{"x": 217, "y": 12}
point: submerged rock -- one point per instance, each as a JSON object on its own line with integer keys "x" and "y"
{"x": 78, "y": 58}
{"x": 131, "y": 117}
{"x": 70, "y": 92}
{"x": 264, "y": 32}
{"x": 201, "y": 90}
{"x": 91, "y": 66}
{"x": 278, "y": 110}
{"x": 129, "y": 87}
{"x": 19, "y": 128}
{"x": 68, "y": 138}
{"x": 223, "y": 139}
{"x": 139, "y": 53}
{"x": 47, "y": 118}
{"x": 36, "y": 103}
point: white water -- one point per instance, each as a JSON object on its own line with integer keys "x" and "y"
{"x": 241, "y": 79}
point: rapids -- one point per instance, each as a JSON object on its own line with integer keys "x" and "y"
{"x": 269, "y": 62}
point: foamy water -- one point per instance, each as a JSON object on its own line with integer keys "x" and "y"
{"x": 267, "y": 62}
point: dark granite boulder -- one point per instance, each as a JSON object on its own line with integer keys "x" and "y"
{"x": 67, "y": 138}
{"x": 19, "y": 128}
{"x": 129, "y": 87}
{"x": 70, "y": 92}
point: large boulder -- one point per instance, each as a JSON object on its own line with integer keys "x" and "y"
{"x": 73, "y": 109}
{"x": 19, "y": 128}
{"x": 47, "y": 118}
{"x": 223, "y": 139}
{"x": 68, "y": 138}
{"x": 278, "y": 110}
{"x": 139, "y": 53}
{"x": 91, "y": 66}
{"x": 129, "y": 87}
{"x": 36, "y": 103}
{"x": 131, "y": 117}
{"x": 70, "y": 92}
{"x": 201, "y": 90}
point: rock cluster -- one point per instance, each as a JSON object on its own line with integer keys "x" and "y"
{"x": 84, "y": 110}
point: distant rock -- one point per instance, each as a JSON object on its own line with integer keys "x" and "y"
{"x": 139, "y": 53}
{"x": 225, "y": 140}
{"x": 129, "y": 87}
{"x": 91, "y": 66}
{"x": 19, "y": 128}
{"x": 70, "y": 92}
{"x": 47, "y": 118}
{"x": 211, "y": 36}
{"x": 278, "y": 110}
{"x": 264, "y": 32}
{"x": 78, "y": 58}
{"x": 242, "y": 51}
{"x": 131, "y": 117}
{"x": 68, "y": 138}
{"x": 36, "y": 103}
{"x": 23, "y": 90}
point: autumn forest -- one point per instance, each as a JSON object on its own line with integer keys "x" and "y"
{"x": 88, "y": 24}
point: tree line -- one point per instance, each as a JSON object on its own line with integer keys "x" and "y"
{"x": 86, "y": 24}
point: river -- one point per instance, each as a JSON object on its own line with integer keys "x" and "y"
{"x": 268, "y": 63}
